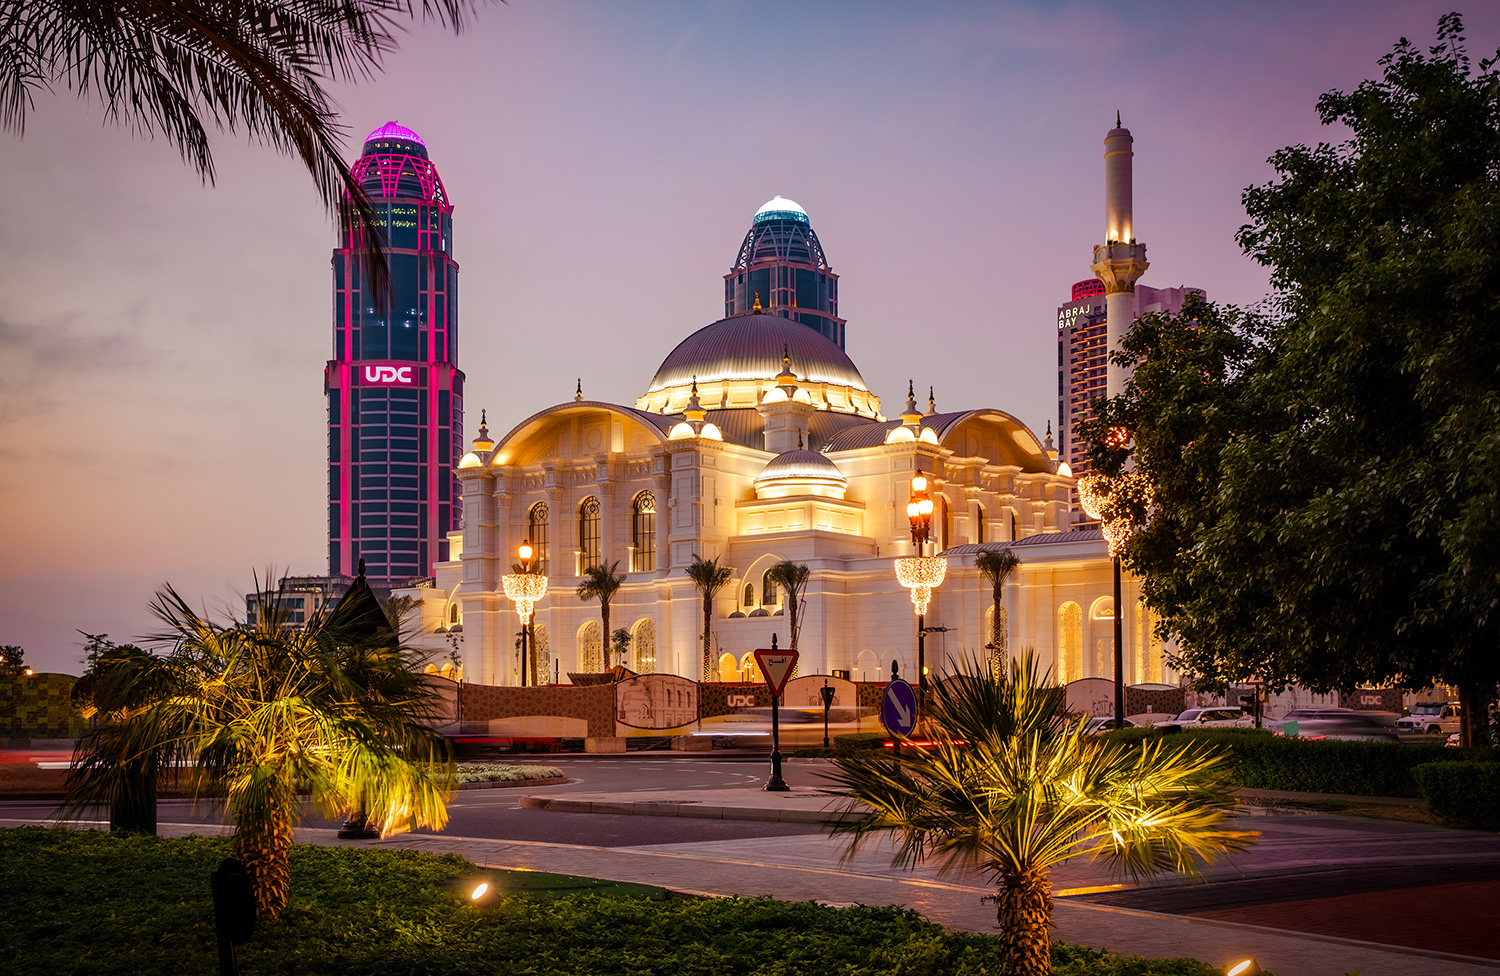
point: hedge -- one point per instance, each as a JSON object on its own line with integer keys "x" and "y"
{"x": 1265, "y": 761}
{"x": 1466, "y": 794}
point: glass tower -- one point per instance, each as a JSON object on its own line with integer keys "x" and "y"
{"x": 395, "y": 392}
{"x": 781, "y": 270}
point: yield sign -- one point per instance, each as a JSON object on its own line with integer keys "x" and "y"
{"x": 775, "y": 666}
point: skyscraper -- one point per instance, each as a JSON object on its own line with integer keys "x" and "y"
{"x": 781, "y": 270}
{"x": 395, "y": 392}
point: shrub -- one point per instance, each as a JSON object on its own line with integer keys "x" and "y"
{"x": 503, "y": 772}
{"x": 1265, "y": 761}
{"x": 853, "y": 742}
{"x": 1463, "y": 793}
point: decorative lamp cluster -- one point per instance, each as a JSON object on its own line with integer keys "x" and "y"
{"x": 919, "y": 509}
{"x": 1121, "y": 505}
{"x": 524, "y": 588}
{"x": 921, "y": 575}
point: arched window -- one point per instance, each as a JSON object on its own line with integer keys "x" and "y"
{"x": 1147, "y": 648}
{"x": 543, "y": 648}
{"x": 453, "y": 613}
{"x": 769, "y": 594}
{"x": 749, "y": 669}
{"x": 1103, "y": 619}
{"x": 1069, "y": 642}
{"x": 749, "y": 600}
{"x": 537, "y": 535}
{"x": 644, "y": 639}
{"x": 643, "y": 532}
{"x": 588, "y": 534}
{"x": 590, "y": 648}
{"x": 978, "y": 523}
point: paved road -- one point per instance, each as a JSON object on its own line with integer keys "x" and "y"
{"x": 494, "y": 814}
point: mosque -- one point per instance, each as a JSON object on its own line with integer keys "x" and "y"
{"x": 756, "y": 441}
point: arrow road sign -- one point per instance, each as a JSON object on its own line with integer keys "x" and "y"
{"x": 898, "y": 709}
{"x": 775, "y": 666}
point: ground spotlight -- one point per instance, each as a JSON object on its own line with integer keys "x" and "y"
{"x": 483, "y": 893}
{"x": 1247, "y": 967}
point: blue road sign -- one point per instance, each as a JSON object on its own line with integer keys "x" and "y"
{"x": 898, "y": 709}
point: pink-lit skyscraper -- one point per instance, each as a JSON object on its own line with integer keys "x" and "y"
{"x": 395, "y": 392}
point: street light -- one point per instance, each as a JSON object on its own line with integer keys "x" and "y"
{"x": 921, "y": 574}
{"x": 525, "y": 588}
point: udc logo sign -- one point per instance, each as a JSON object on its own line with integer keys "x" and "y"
{"x": 741, "y": 701}
{"x": 388, "y": 374}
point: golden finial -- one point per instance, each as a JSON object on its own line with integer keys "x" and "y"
{"x": 757, "y": 307}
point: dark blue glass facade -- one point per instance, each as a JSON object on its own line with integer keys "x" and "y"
{"x": 395, "y": 393}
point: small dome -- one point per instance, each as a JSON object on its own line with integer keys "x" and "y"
{"x": 395, "y": 130}
{"x": 393, "y": 138}
{"x": 800, "y": 473}
{"x": 780, "y": 208}
{"x": 750, "y": 347}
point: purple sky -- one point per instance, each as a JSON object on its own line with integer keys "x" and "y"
{"x": 162, "y": 343}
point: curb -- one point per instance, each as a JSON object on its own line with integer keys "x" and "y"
{"x": 659, "y": 808}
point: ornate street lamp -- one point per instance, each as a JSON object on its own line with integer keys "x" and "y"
{"x": 1113, "y": 502}
{"x": 525, "y": 588}
{"x": 921, "y": 574}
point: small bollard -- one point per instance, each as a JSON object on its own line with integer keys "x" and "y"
{"x": 234, "y": 911}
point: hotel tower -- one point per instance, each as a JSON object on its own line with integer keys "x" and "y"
{"x": 395, "y": 392}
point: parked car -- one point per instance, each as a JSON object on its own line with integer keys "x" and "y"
{"x": 1431, "y": 718}
{"x": 1217, "y": 716}
{"x": 1100, "y": 723}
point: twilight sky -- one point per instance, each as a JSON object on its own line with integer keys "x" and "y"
{"x": 162, "y": 343}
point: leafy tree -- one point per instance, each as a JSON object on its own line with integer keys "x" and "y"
{"x": 709, "y": 577}
{"x": 602, "y": 583}
{"x": 1012, "y": 788}
{"x": 792, "y": 578}
{"x": 12, "y": 660}
{"x": 621, "y": 641}
{"x": 172, "y": 69}
{"x": 996, "y": 566}
{"x": 1336, "y": 501}
{"x": 260, "y": 713}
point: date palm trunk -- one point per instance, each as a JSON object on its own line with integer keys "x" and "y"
{"x": 708, "y": 647}
{"x": 263, "y": 843}
{"x": 1024, "y": 910}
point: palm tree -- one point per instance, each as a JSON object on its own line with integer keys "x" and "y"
{"x": 260, "y": 712}
{"x": 792, "y": 578}
{"x": 996, "y": 566}
{"x": 259, "y": 66}
{"x": 1012, "y": 788}
{"x": 601, "y": 583}
{"x": 709, "y": 577}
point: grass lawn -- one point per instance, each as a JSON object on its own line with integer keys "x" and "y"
{"x": 85, "y": 902}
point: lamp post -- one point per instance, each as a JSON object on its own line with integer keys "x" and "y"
{"x": 525, "y": 588}
{"x": 1111, "y": 501}
{"x": 921, "y": 574}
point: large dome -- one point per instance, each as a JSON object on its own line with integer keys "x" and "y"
{"x": 750, "y": 347}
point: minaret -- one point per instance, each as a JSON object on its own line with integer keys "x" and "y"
{"x": 1119, "y": 262}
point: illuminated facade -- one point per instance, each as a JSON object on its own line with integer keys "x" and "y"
{"x": 395, "y": 392}
{"x": 756, "y": 441}
{"x": 781, "y": 269}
